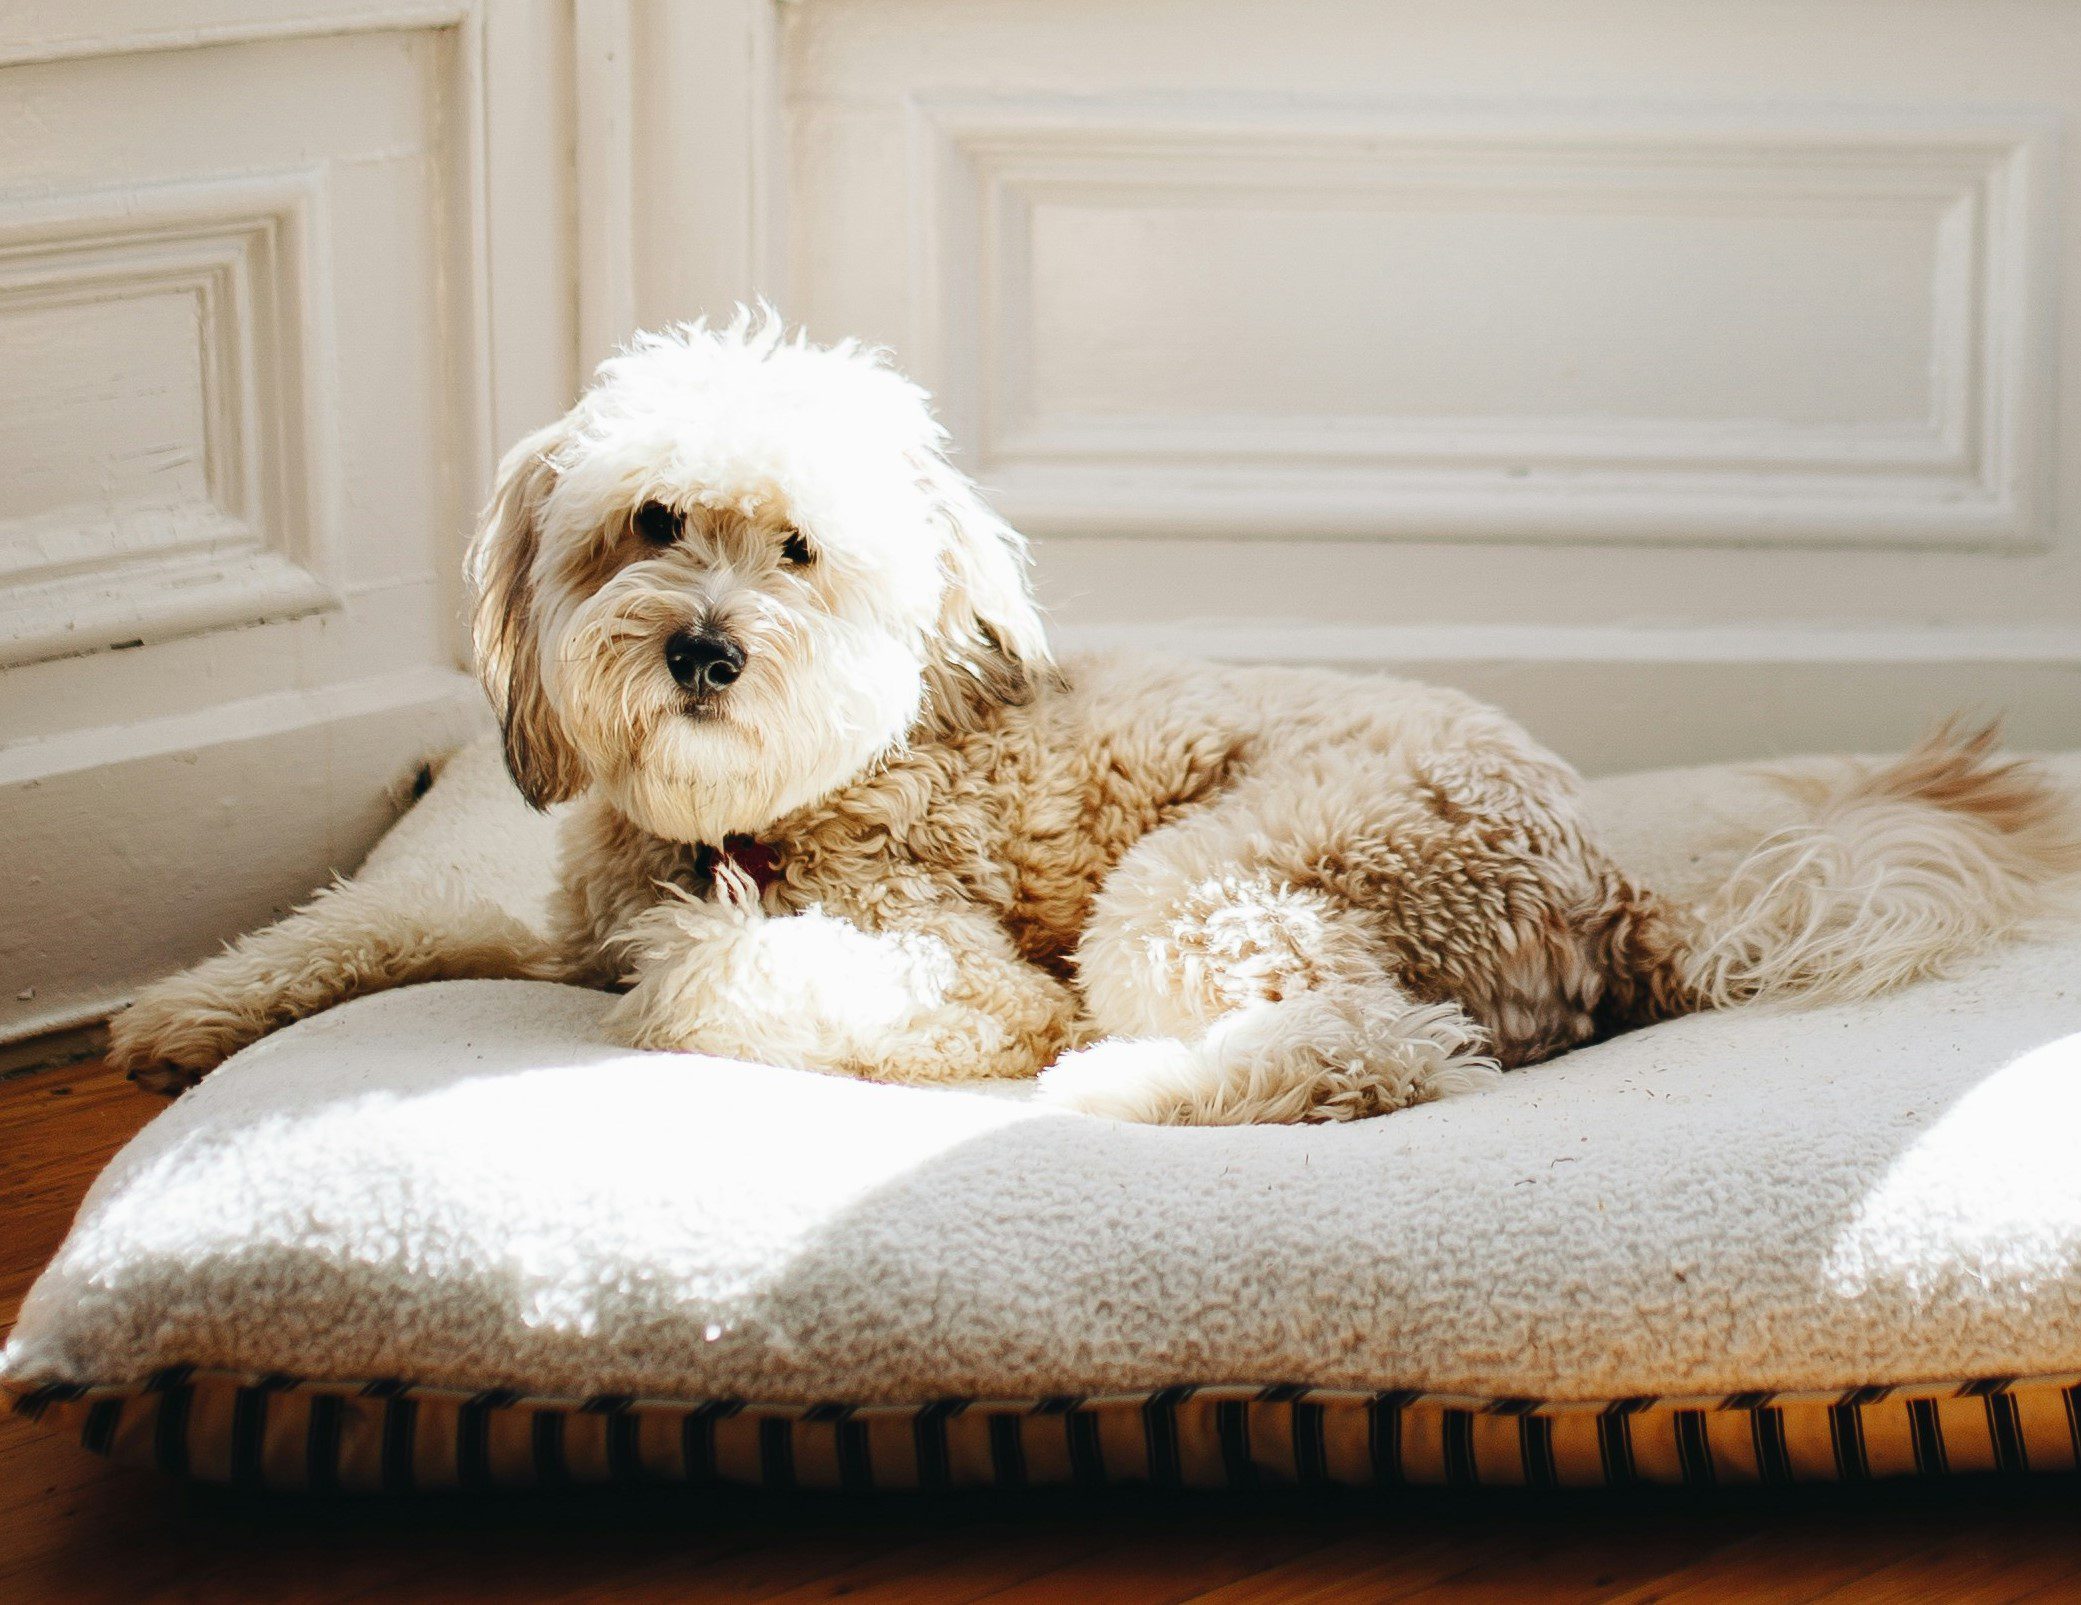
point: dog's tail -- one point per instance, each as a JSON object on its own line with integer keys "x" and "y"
{"x": 1898, "y": 871}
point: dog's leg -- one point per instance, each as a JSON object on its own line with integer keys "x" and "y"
{"x": 933, "y": 993}
{"x": 1340, "y": 1052}
{"x": 359, "y": 937}
{"x": 1235, "y": 992}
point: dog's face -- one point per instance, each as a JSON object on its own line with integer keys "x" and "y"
{"x": 734, "y": 577}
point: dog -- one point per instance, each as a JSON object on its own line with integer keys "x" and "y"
{"x": 835, "y": 805}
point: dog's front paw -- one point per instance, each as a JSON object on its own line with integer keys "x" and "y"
{"x": 804, "y": 990}
{"x": 666, "y": 931}
{"x": 1142, "y": 1079}
{"x": 179, "y": 1031}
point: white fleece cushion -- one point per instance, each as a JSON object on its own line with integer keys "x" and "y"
{"x": 463, "y": 1184}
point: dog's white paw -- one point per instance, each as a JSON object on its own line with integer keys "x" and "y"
{"x": 806, "y": 990}
{"x": 1316, "y": 1056}
{"x": 1143, "y": 1079}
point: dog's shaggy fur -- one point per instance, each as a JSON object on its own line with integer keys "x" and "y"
{"x": 738, "y": 592}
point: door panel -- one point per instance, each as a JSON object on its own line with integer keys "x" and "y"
{"x": 245, "y": 292}
{"x": 1697, "y": 380}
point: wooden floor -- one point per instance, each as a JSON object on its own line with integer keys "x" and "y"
{"x": 71, "y": 1528}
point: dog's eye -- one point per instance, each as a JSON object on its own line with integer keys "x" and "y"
{"x": 795, "y": 550}
{"x": 657, "y": 523}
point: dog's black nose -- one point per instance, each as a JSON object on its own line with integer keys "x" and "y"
{"x": 703, "y": 660}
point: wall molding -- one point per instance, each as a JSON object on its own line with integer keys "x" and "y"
{"x": 465, "y": 236}
{"x": 27, "y": 46}
{"x": 259, "y": 544}
{"x": 1971, "y": 474}
{"x": 1299, "y": 642}
{"x": 243, "y": 571}
{"x": 273, "y": 713}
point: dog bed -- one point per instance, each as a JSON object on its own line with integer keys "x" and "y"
{"x": 450, "y": 1235}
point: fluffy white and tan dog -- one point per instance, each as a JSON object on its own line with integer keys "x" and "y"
{"x": 838, "y": 807}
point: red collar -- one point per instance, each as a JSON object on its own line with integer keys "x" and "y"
{"x": 757, "y": 859}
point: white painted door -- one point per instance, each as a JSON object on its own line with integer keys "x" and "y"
{"x": 1700, "y": 380}
{"x": 276, "y": 277}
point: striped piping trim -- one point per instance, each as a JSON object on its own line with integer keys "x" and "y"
{"x": 275, "y": 1431}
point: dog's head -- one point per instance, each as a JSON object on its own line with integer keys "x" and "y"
{"x": 738, "y": 574}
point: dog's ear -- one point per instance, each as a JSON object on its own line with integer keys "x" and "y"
{"x": 991, "y": 638}
{"x": 502, "y": 625}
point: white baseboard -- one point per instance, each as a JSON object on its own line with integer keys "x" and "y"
{"x": 133, "y": 850}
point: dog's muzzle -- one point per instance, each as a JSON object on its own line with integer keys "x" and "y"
{"x": 704, "y": 661}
